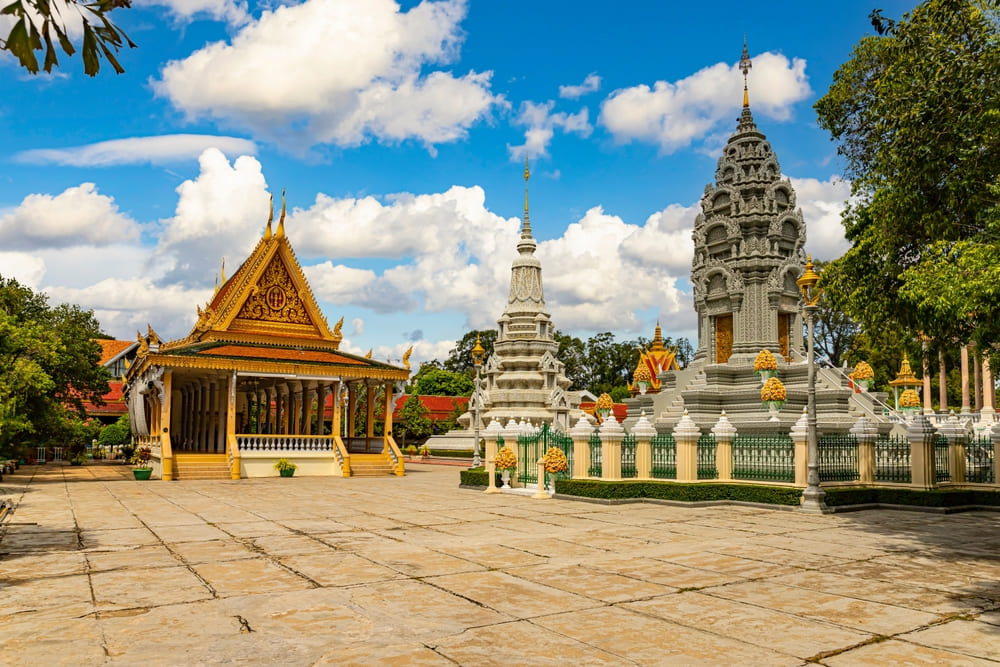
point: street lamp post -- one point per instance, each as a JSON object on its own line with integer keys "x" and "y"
{"x": 813, "y": 498}
{"x": 478, "y": 354}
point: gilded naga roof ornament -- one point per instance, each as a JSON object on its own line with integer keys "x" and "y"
{"x": 153, "y": 338}
{"x": 406, "y": 357}
{"x": 369, "y": 355}
{"x": 337, "y": 326}
{"x": 281, "y": 221}
{"x": 223, "y": 280}
{"x": 270, "y": 219}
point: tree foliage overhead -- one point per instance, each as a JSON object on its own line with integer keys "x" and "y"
{"x": 460, "y": 358}
{"x": 915, "y": 113}
{"x": 48, "y": 365}
{"x": 434, "y": 381}
{"x": 41, "y": 25}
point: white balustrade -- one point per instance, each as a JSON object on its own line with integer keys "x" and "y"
{"x": 285, "y": 443}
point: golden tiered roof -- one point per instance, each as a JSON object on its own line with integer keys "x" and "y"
{"x": 265, "y": 315}
{"x": 656, "y": 359}
{"x": 905, "y": 377}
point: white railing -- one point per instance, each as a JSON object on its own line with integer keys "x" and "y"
{"x": 285, "y": 443}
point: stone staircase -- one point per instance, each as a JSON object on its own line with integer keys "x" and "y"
{"x": 201, "y": 465}
{"x": 371, "y": 465}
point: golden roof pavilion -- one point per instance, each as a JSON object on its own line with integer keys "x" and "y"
{"x": 261, "y": 377}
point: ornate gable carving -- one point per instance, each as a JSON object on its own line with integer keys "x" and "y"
{"x": 275, "y": 298}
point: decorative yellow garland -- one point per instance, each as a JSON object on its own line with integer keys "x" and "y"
{"x": 765, "y": 361}
{"x": 909, "y": 399}
{"x": 555, "y": 460}
{"x": 773, "y": 390}
{"x": 641, "y": 374}
{"x": 862, "y": 372}
{"x": 506, "y": 459}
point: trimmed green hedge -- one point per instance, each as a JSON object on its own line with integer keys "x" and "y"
{"x": 839, "y": 496}
{"x": 453, "y": 453}
{"x": 477, "y": 477}
{"x": 593, "y": 488}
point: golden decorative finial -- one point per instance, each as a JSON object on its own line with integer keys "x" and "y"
{"x": 369, "y": 355}
{"x": 526, "y": 228}
{"x": 406, "y": 357}
{"x": 270, "y": 219}
{"x": 336, "y": 327}
{"x": 216, "y": 284}
{"x": 745, "y": 66}
{"x": 223, "y": 270}
{"x": 281, "y": 221}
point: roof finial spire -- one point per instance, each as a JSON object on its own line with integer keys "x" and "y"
{"x": 270, "y": 219}
{"x": 281, "y": 220}
{"x": 526, "y": 229}
{"x": 745, "y": 66}
{"x": 223, "y": 270}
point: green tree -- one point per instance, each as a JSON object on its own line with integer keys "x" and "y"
{"x": 835, "y": 332}
{"x": 914, "y": 113}
{"x": 438, "y": 382}
{"x": 114, "y": 435}
{"x": 39, "y": 25}
{"x": 413, "y": 421}
{"x": 460, "y": 358}
{"x": 48, "y": 366}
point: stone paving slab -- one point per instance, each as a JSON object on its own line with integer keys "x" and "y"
{"x": 97, "y": 568}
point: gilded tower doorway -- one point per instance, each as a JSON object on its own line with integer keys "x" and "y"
{"x": 784, "y": 320}
{"x": 723, "y": 338}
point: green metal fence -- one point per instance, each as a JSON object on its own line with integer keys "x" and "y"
{"x": 837, "y": 457}
{"x": 892, "y": 459}
{"x": 594, "y": 470}
{"x": 664, "y": 465}
{"x": 979, "y": 461}
{"x": 706, "y": 457}
{"x": 530, "y": 448}
{"x": 628, "y": 457}
{"x": 765, "y": 458}
{"x": 942, "y": 468}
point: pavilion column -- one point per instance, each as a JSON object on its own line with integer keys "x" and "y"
{"x": 181, "y": 437}
{"x": 192, "y": 417}
{"x": 977, "y": 387}
{"x": 283, "y": 408}
{"x": 370, "y": 421}
{"x": 942, "y": 384}
{"x": 224, "y": 395}
{"x": 229, "y": 427}
{"x": 335, "y": 418}
{"x": 202, "y": 415}
{"x": 321, "y": 393}
{"x": 928, "y": 406}
{"x": 269, "y": 395}
{"x": 966, "y": 406}
{"x": 352, "y": 406}
{"x": 307, "y": 405}
{"x": 387, "y": 429}
{"x": 988, "y": 391}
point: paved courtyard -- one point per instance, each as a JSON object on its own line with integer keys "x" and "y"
{"x": 98, "y": 568}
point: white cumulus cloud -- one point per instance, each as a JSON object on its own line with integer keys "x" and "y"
{"x": 77, "y": 216}
{"x": 674, "y": 114}
{"x": 589, "y": 85}
{"x": 221, "y": 213}
{"x": 138, "y": 150}
{"x": 337, "y": 71}
{"x": 228, "y": 11}
{"x": 541, "y": 124}
{"x": 822, "y": 202}
{"x": 25, "y": 268}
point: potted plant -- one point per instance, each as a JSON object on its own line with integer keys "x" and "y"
{"x": 909, "y": 402}
{"x": 285, "y": 467}
{"x": 77, "y": 459}
{"x": 506, "y": 461}
{"x": 554, "y": 463}
{"x": 425, "y": 452}
{"x": 140, "y": 461}
{"x": 410, "y": 451}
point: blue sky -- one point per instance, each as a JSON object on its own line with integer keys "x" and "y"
{"x": 399, "y": 132}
